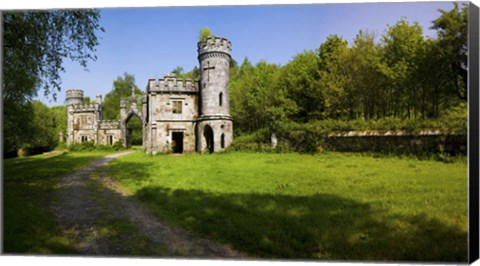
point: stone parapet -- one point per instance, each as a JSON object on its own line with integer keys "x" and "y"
{"x": 215, "y": 44}
{"x": 74, "y": 94}
{"x": 170, "y": 83}
{"x": 85, "y": 108}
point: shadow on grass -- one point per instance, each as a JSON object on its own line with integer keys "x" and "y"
{"x": 320, "y": 226}
{"x": 29, "y": 183}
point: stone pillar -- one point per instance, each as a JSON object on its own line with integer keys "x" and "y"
{"x": 154, "y": 139}
{"x": 99, "y": 99}
{"x": 144, "y": 120}
{"x": 123, "y": 125}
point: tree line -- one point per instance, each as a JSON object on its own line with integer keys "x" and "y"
{"x": 404, "y": 75}
{"x": 400, "y": 75}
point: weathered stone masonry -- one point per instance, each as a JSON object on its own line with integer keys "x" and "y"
{"x": 177, "y": 115}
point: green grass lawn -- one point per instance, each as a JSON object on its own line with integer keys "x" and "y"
{"x": 28, "y": 187}
{"x": 292, "y": 206}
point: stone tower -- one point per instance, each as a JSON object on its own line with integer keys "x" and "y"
{"x": 214, "y": 127}
{"x": 74, "y": 97}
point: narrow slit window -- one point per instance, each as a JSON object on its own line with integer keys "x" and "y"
{"x": 220, "y": 98}
{"x": 222, "y": 141}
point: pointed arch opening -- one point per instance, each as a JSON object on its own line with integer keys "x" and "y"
{"x": 133, "y": 130}
{"x": 208, "y": 135}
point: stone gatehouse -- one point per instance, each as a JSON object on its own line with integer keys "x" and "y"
{"x": 177, "y": 115}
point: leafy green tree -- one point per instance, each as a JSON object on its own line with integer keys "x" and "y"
{"x": 60, "y": 120}
{"x": 178, "y": 71}
{"x": 122, "y": 89}
{"x": 193, "y": 74}
{"x": 35, "y": 45}
{"x": 299, "y": 82}
{"x": 45, "y": 137}
{"x": 334, "y": 76}
{"x": 241, "y": 81}
{"x": 452, "y": 30}
{"x": 402, "y": 46}
{"x": 367, "y": 91}
{"x": 204, "y": 34}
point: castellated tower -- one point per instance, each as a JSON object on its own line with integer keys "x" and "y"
{"x": 74, "y": 97}
{"x": 214, "y": 127}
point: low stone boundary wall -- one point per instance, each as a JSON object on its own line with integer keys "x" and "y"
{"x": 427, "y": 141}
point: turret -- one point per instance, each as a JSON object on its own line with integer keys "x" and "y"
{"x": 214, "y": 128}
{"x": 214, "y": 58}
{"x": 74, "y": 97}
{"x": 99, "y": 99}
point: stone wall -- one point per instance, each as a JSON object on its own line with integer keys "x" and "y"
{"x": 173, "y": 108}
{"x": 398, "y": 142}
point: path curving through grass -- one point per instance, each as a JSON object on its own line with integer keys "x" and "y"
{"x": 101, "y": 219}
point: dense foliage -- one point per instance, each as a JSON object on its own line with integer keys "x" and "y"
{"x": 400, "y": 80}
{"x": 403, "y": 76}
{"x": 35, "y": 43}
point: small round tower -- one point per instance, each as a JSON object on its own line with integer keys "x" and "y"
{"x": 214, "y": 128}
{"x": 74, "y": 97}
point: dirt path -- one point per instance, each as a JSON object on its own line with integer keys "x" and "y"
{"x": 101, "y": 219}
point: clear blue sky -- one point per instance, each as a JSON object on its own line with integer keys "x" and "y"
{"x": 150, "y": 42}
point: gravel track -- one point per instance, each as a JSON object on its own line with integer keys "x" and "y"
{"x": 89, "y": 195}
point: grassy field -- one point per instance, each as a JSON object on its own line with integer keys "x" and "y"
{"x": 28, "y": 187}
{"x": 291, "y": 206}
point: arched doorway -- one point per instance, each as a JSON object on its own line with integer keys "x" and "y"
{"x": 208, "y": 135}
{"x": 133, "y": 130}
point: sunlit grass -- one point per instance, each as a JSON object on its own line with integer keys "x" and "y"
{"x": 328, "y": 206}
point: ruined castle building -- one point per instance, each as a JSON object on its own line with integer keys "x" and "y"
{"x": 177, "y": 115}
{"x": 85, "y": 121}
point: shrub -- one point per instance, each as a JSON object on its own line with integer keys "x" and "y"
{"x": 90, "y": 146}
{"x": 303, "y": 138}
{"x": 118, "y": 145}
{"x": 258, "y": 141}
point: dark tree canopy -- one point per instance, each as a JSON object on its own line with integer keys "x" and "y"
{"x": 452, "y": 29}
{"x": 35, "y": 45}
{"x": 37, "y": 42}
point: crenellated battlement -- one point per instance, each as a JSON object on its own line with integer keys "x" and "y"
{"x": 85, "y": 108}
{"x": 170, "y": 83}
{"x": 74, "y": 97}
{"x": 74, "y": 94}
{"x": 215, "y": 44}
